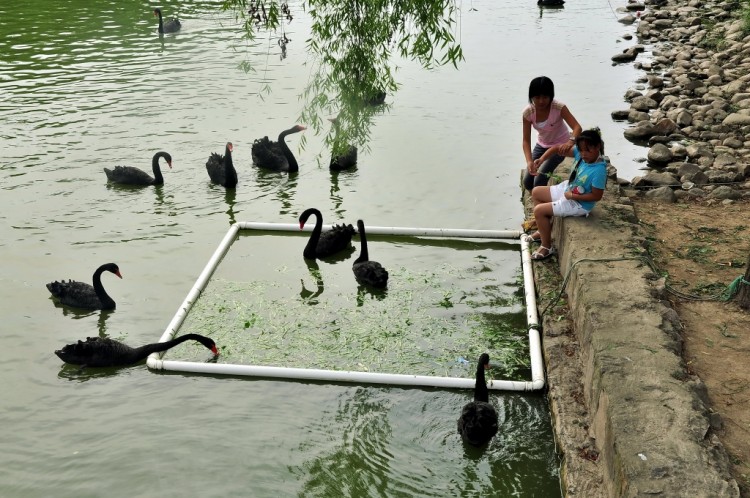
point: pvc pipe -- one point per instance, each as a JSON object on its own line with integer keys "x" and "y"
{"x": 334, "y": 375}
{"x": 532, "y": 317}
{"x": 537, "y": 365}
{"x": 426, "y": 232}
{"x": 198, "y": 287}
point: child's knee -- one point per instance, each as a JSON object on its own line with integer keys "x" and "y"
{"x": 543, "y": 209}
{"x": 537, "y": 194}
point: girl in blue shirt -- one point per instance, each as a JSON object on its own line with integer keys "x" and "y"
{"x": 576, "y": 197}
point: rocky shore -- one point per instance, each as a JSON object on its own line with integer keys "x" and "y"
{"x": 631, "y": 416}
{"x": 692, "y": 106}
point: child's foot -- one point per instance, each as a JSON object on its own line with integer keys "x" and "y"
{"x": 543, "y": 253}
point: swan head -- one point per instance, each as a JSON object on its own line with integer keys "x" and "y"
{"x": 113, "y": 268}
{"x": 484, "y": 360}
{"x": 306, "y": 215}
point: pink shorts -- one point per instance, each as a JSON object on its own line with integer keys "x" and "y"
{"x": 562, "y": 206}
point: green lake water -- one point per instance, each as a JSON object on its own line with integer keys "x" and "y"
{"x": 88, "y": 85}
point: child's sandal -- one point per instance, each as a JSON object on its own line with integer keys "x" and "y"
{"x": 543, "y": 253}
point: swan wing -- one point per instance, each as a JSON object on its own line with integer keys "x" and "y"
{"x": 128, "y": 175}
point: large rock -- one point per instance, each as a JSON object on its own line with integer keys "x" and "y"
{"x": 665, "y": 126}
{"x": 698, "y": 150}
{"x": 659, "y": 153}
{"x": 627, "y": 55}
{"x": 662, "y": 194}
{"x": 736, "y": 119}
{"x": 640, "y": 131}
{"x": 658, "y": 179}
{"x": 643, "y": 104}
{"x": 718, "y": 176}
{"x": 688, "y": 169}
{"x": 724, "y": 192}
{"x": 683, "y": 118}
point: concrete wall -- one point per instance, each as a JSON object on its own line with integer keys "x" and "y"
{"x": 629, "y": 419}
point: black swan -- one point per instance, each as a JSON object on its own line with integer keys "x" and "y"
{"x": 221, "y": 168}
{"x": 365, "y": 271}
{"x": 276, "y": 155}
{"x": 128, "y": 175}
{"x": 82, "y": 295}
{"x": 106, "y": 352}
{"x": 550, "y": 3}
{"x": 320, "y": 245}
{"x": 378, "y": 98}
{"x": 346, "y": 160}
{"x": 170, "y": 25}
{"x": 478, "y": 421}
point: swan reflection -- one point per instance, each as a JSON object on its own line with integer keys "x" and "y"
{"x": 308, "y": 296}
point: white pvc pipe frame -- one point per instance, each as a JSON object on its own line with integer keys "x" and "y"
{"x": 537, "y": 367}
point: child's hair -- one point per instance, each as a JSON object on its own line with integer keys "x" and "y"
{"x": 541, "y": 86}
{"x": 593, "y": 136}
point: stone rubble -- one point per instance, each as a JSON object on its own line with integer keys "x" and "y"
{"x": 692, "y": 106}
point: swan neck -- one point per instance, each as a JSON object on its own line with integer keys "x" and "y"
{"x": 312, "y": 244}
{"x": 293, "y": 166}
{"x": 230, "y": 172}
{"x": 143, "y": 351}
{"x": 158, "y": 178}
{"x": 99, "y": 289}
{"x": 480, "y": 389}
{"x": 364, "y": 255}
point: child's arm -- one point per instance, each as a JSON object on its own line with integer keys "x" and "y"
{"x": 555, "y": 149}
{"x": 527, "y": 143}
{"x": 575, "y": 129}
{"x": 595, "y": 195}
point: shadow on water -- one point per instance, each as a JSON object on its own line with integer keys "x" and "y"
{"x": 550, "y": 7}
{"x": 309, "y": 296}
{"x": 229, "y": 198}
{"x": 78, "y": 314}
{"x": 339, "y": 256}
{"x": 78, "y": 374}
{"x": 335, "y": 196}
{"x": 282, "y": 185}
{"x": 101, "y": 323}
{"x": 364, "y": 292}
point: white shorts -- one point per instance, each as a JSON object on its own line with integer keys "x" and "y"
{"x": 562, "y": 206}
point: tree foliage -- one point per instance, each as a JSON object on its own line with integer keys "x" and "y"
{"x": 352, "y": 44}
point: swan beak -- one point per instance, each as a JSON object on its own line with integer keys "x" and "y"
{"x": 169, "y": 163}
{"x": 214, "y": 351}
{"x": 118, "y": 273}
{"x": 301, "y": 225}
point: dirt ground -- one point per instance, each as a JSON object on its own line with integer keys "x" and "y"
{"x": 701, "y": 247}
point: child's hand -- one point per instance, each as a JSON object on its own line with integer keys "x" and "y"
{"x": 563, "y": 149}
{"x": 531, "y": 167}
{"x": 535, "y": 167}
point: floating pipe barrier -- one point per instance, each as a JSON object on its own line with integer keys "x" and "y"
{"x": 415, "y": 232}
{"x": 310, "y": 374}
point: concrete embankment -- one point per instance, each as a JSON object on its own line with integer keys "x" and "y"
{"x": 629, "y": 418}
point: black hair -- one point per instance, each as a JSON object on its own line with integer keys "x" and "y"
{"x": 593, "y": 136}
{"x": 541, "y": 86}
